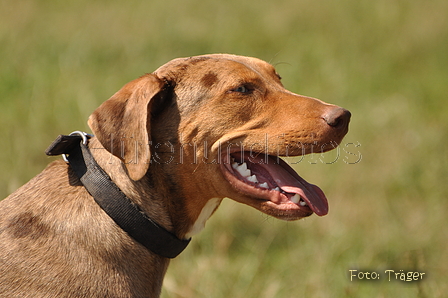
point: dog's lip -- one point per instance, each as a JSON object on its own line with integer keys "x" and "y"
{"x": 283, "y": 184}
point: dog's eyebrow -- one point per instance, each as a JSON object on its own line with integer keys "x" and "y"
{"x": 254, "y": 81}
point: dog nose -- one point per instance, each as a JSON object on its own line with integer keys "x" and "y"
{"x": 337, "y": 117}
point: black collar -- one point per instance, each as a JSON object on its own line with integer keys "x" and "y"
{"x": 110, "y": 198}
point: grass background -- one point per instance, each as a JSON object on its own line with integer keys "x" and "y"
{"x": 386, "y": 61}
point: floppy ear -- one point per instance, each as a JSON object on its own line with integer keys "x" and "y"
{"x": 122, "y": 123}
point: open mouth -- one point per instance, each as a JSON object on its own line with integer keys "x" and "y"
{"x": 271, "y": 182}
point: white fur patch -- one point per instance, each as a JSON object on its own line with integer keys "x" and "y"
{"x": 205, "y": 214}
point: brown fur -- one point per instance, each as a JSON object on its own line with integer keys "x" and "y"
{"x": 55, "y": 241}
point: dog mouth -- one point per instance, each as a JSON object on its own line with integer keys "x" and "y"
{"x": 273, "y": 186}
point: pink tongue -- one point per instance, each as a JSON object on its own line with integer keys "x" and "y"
{"x": 289, "y": 181}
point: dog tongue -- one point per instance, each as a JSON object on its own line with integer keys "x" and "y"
{"x": 289, "y": 181}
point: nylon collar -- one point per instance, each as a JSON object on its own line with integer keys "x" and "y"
{"x": 112, "y": 200}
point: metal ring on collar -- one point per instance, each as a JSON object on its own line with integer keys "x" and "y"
{"x": 85, "y": 138}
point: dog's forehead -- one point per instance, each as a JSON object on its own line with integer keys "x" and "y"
{"x": 214, "y": 64}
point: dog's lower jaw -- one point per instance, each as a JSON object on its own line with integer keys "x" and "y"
{"x": 205, "y": 214}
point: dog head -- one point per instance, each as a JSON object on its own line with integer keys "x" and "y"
{"x": 218, "y": 124}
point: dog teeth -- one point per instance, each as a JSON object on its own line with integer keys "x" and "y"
{"x": 246, "y": 173}
{"x": 242, "y": 169}
{"x": 295, "y": 199}
{"x": 253, "y": 179}
{"x": 264, "y": 185}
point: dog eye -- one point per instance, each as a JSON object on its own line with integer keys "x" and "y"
{"x": 242, "y": 89}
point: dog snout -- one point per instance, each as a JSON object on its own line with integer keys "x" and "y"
{"x": 338, "y": 118}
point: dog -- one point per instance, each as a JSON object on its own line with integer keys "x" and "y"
{"x": 171, "y": 144}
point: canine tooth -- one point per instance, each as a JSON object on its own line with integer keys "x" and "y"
{"x": 235, "y": 165}
{"x": 302, "y": 203}
{"x": 277, "y": 188}
{"x": 243, "y": 170}
{"x": 264, "y": 185}
{"x": 295, "y": 199}
{"x": 253, "y": 179}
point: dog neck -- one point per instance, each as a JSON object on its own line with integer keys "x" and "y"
{"x": 163, "y": 206}
{"x": 114, "y": 202}
{"x": 167, "y": 205}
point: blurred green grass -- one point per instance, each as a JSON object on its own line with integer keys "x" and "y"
{"x": 386, "y": 61}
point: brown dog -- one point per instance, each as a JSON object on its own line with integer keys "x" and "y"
{"x": 176, "y": 142}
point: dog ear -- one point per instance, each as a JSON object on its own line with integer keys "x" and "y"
{"x": 122, "y": 123}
